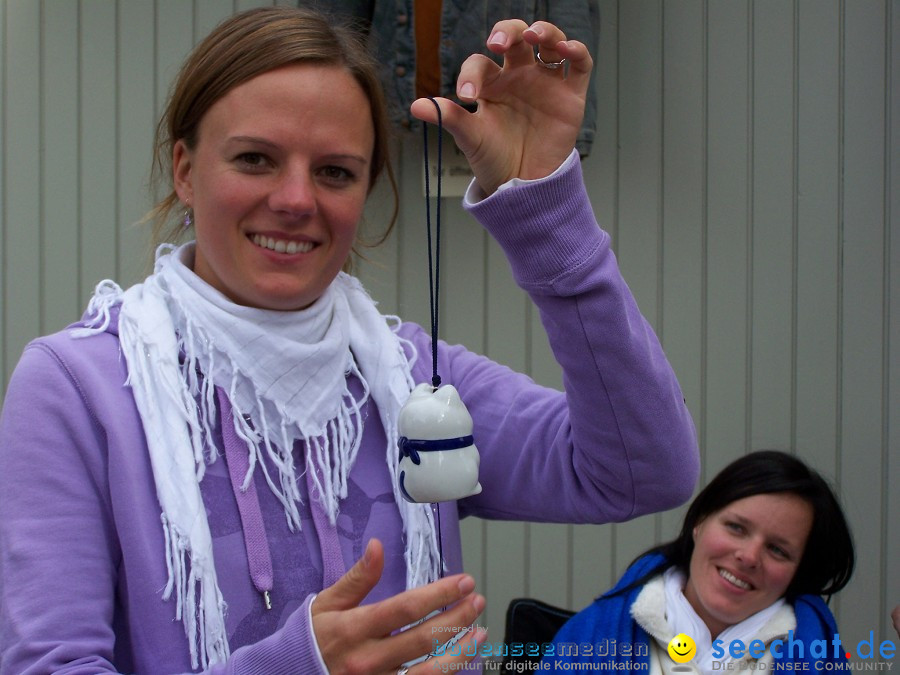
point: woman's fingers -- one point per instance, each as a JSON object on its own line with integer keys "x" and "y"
{"x": 546, "y": 38}
{"x": 369, "y": 638}
{"x": 357, "y": 582}
{"x": 416, "y": 604}
{"x": 507, "y": 39}
{"x": 528, "y": 112}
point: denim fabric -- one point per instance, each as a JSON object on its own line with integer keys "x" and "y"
{"x": 465, "y": 26}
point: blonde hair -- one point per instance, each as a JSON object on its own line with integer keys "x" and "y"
{"x": 240, "y": 48}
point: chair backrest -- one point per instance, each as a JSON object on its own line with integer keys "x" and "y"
{"x": 530, "y": 624}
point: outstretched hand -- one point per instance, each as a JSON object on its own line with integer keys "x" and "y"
{"x": 528, "y": 115}
{"x": 363, "y": 639}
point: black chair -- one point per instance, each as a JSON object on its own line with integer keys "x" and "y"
{"x": 530, "y": 624}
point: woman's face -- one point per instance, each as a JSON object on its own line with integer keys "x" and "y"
{"x": 277, "y": 181}
{"x": 745, "y": 557}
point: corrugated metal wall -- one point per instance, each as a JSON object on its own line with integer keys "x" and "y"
{"x": 746, "y": 165}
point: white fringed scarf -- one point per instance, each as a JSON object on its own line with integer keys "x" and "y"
{"x": 286, "y": 377}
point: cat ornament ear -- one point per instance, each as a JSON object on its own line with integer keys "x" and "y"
{"x": 438, "y": 457}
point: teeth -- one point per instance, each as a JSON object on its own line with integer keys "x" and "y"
{"x": 281, "y": 245}
{"x": 728, "y": 576}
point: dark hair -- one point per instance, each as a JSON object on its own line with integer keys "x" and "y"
{"x": 828, "y": 558}
{"x": 251, "y": 43}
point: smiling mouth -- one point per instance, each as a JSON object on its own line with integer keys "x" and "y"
{"x": 282, "y": 245}
{"x": 729, "y": 577}
{"x": 680, "y": 654}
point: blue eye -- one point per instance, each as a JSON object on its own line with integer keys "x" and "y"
{"x": 337, "y": 174}
{"x": 779, "y": 552}
{"x": 251, "y": 160}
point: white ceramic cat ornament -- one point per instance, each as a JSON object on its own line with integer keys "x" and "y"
{"x": 438, "y": 457}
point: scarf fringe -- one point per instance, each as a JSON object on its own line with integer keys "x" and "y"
{"x": 199, "y": 583}
{"x": 166, "y": 390}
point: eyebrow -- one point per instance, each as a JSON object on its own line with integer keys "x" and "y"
{"x": 255, "y": 140}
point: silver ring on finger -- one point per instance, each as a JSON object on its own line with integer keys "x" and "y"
{"x": 402, "y": 670}
{"x": 549, "y": 65}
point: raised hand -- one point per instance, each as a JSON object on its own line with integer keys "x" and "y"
{"x": 363, "y": 639}
{"x": 528, "y": 114}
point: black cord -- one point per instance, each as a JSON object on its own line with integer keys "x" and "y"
{"x": 434, "y": 276}
{"x": 434, "y": 265}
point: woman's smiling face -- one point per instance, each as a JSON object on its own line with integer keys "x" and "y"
{"x": 745, "y": 557}
{"x": 277, "y": 181}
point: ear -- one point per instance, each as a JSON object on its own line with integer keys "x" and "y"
{"x": 182, "y": 176}
{"x": 696, "y": 529}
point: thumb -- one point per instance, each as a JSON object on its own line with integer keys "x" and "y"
{"x": 456, "y": 120}
{"x": 350, "y": 590}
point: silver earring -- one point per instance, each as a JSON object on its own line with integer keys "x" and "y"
{"x": 188, "y": 220}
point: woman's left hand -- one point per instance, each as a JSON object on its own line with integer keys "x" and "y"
{"x": 528, "y": 114}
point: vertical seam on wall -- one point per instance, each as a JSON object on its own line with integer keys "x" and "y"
{"x": 660, "y": 209}
{"x": 795, "y": 218}
{"x": 840, "y": 237}
{"x": 526, "y": 561}
{"x": 42, "y": 178}
{"x": 839, "y": 338}
{"x": 4, "y": 114}
{"x": 615, "y": 173}
{"x": 660, "y": 194}
{"x": 886, "y": 316}
{"x": 748, "y": 311}
{"x": 704, "y": 247}
{"x": 704, "y": 318}
{"x": 117, "y": 134}
{"x": 79, "y": 221}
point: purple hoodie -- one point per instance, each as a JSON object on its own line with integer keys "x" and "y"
{"x": 82, "y": 561}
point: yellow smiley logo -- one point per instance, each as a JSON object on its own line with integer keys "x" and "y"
{"x": 682, "y": 648}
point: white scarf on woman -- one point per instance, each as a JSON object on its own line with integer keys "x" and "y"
{"x": 682, "y": 618}
{"x": 286, "y": 377}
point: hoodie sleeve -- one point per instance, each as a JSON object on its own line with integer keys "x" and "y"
{"x": 619, "y": 442}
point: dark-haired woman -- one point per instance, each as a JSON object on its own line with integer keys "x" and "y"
{"x": 744, "y": 579}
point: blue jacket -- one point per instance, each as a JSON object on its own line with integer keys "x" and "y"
{"x": 605, "y": 631}
{"x": 465, "y": 26}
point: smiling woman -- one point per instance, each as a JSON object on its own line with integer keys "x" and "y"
{"x": 225, "y": 433}
{"x": 758, "y": 547}
{"x": 277, "y": 180}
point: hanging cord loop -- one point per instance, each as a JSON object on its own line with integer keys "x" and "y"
{"x": 434, "y": 276}
{"x": 434, "y": 264}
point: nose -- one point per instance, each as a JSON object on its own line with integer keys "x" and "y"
{"x": 294, "y": 193}
{"x": 749, "y": 553}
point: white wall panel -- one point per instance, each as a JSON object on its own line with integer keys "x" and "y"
{"x": 21, "y": 205}
{"x": 98, "y": 183}
{"x": 745, "y": 165}
{"x": 863, "y": 365}
{"x": 727, "y": 260}
{"x": 136, "y": 113}
{"x": 818, "y": 232}
{"x": 772, "y": 226}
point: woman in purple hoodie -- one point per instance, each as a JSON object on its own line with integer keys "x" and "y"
{"x": 203, "y": 472}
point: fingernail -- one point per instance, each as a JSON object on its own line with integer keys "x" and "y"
{"x": 367, "y": 556}
{"x": 498, "y": 38}
{"x": 480, "y": 635}
{"x": 466, "y": 585}
{"x": 536, "y": 29}
{"x": 478, "y": 603}
{"x": 467, "y": 90}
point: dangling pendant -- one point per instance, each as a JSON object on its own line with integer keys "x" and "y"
{"x": 438, "y": 457}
